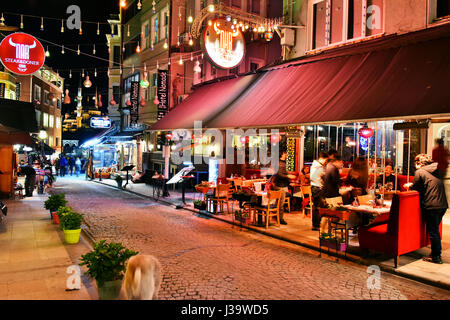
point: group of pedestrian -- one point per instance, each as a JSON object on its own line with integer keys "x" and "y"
{"x": 66, "y": 165}
{"x": 428, "y": 181}
{"x": 38, "y": 174}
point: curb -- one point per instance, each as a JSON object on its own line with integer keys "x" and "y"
{"x": 387, "y": 269}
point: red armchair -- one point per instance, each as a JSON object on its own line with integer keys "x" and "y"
{"x": 402, "y": 232}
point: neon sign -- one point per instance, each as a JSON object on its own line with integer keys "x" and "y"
{"x": 22, "y": 54}
{"x": 224, "y": 44}
{"x": 97, "y": 122}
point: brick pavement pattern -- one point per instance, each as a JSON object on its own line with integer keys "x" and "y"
{"x": 207, "y": 259}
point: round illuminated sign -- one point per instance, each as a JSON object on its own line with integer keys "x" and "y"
{"x": 224, "y": 44}
{"x": 22, "y": 54}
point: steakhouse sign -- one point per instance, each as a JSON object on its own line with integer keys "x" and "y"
{"x": 22, "y": 54}
{"x": 224, "y": 44}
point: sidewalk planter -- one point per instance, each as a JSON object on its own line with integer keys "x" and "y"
{"x": 107, "y": 265}
{"x": 333, "y": 244}
{"x": 54, "y": 202}
{"x": 71, "y": 225}
{"x": 110, "y": 290}
{"x": 200, "y": 206}
{"x": 55, "y": 217}
{"x": 72, "y": 236}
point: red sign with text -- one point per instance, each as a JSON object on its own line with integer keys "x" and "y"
{"x": 22, "y": 54}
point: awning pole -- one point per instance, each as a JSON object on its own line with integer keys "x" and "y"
{"x": 384, "y": 155}
{"x": 409, "y": 151}
{"x": 375, "y": 157}
{"x": 356, "y": 137}
{"x": 396, "y": 159}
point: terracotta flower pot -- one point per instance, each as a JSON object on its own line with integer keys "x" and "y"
{"x": 55, "y": 217}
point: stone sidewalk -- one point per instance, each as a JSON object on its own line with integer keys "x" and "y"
{"x": 298, "y": 231}
{"x": 34, "y": 258}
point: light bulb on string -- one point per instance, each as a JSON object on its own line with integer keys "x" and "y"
{"x": 138, "y": 48}
{"x": 132, "y": 69}
{"x": 70, "y": 74}
{"x": 139, "y": 5}
{"x": 197, "y": 68}
{"x": 145, "y": 67}
{"x": 191, "y": 42}
{"x": 211, "y": 8}
{"x": 21, "y": 21}
{"x": 2, "y": 20}
{"x": 157, "y": 64}
{"x": 128, "y": 31}
{"x": 47, "y": 53}
{"x": 228, "y": 18}
{"x": 153, "y": 6}
{"x": 210, "y": 23}
{"x": 192, "y": 57}
{"x": 42, "y": 24}
{"x": 109, "y": 72}
{"x": 95, "y": 72}
{"x": 98, "y": 28}
{"x": 168, "y": 62}
{"x": 123, "y": 3}
{"x": 78, "y": 51}
{"x": 94, "y": 51}
{"x": 166, "y": 45}
{"x": 62, "y": 51}
{"x": 181, "y": 61}
{"x": 62, "y": 25}
{"x": 82, "y": 73}
{"x": 81, "y": 29}
{"x": 87, "y": 83}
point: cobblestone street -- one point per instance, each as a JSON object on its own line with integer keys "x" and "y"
{"x": 208, "y": 259}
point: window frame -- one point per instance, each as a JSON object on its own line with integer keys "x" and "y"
{"x": 345, "y": 16}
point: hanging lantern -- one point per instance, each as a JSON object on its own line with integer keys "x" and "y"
{"x": 365, "y": 132}
{"x": 21, "y": 22}
{"x": 113, "y": 102}
{"x": 128, "y": 101}
{"x": 144, "y": 83}
{"x": 100, "y": 104}
{"x": 139, "y": 5}
{"x": 143, "y": 103}
{"x": 156, "y": 101}
{"x": 169, "y": 136}
{"x": 66, "y": 97}
{"x": 190, "y": 19}
{"x": 87, "y": 83}
{"x": 268, "y": 36}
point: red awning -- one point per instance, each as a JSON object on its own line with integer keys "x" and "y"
{"x": 402, "y": 76}
{"x": 204, "y": 103}
{"x": 18, "y": 137}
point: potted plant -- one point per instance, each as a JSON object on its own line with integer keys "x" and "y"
{"x": 119, "y": 181}
{"x": 54, "y": 202}
{"x": 63, "y": 210}
{"x": 334, "y": 243}
{"x": 199, "y": 204}
{"x": 106, "y": 264}
{"x": 242, "y": 216}
{"x": 71, "y": 225}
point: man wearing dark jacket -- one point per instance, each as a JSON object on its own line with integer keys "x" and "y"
{"x": 433, "y": 201}
{"x": 332, "y": 178}
{"x": 30, "y": 180}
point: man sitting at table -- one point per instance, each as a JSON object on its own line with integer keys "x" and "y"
{"x": 281, "y": 182}
{"x": 388, "y": 177}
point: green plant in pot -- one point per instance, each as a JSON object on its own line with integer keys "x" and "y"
{"x": 63, "y": 210}
{"x": 119, "y": 181}
{"x": 55, "y": 201}
{"x": 107, "y": 264}
{"x": 70, "y": 223}
{"x": 199, "y": 204}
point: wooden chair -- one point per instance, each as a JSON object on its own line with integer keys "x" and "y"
{"x": 364, "y": 199}
{"x": 237, "y": 184}
{"x": 306, "y": 191}
{"x": 272, "y": 209}
{"x": 287, "y": 201}
{"x": 325, "y": 226}
{"x": 222, "y": 196}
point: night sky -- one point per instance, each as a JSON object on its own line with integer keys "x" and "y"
{"x": 92, "y": 11}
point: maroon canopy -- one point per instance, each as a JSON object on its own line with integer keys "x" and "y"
{"x": 204, "y": 103}
{"x": 402, "y": 76}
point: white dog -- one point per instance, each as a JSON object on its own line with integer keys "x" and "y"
{"x": 142, "y": 278}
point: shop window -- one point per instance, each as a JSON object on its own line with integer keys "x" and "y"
{"x": 45, "y": 120}
{"x": 155, "y": 29}
{"x": 319, "y": 24}
{"x": 51, "y": 121}
{"x": 443, "y": 8}
{"x": 256, "y": 6}
{"x": 38, "y": 117}
{"x": 37, "y": 93}
{"x": 164, "y": 23}
{"x": 116, "y": 55}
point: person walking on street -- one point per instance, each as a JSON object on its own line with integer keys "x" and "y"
{"x": 281, "y": 182}
{"x": 71, "y": 162}
{"x": 63, "y": 165}
{"x": 30, "y": 180}
{"x": 77, "y": 166}
{"x": 440, "y": 156}
{"x": 433, "y": 201}
{"x": 317, "y": 171}
{"x": 56, "y": 164}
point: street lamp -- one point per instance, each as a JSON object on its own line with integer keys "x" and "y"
{"x": 42, "y": 136}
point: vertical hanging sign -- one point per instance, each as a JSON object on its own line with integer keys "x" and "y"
{"x": 134, "y": 99}
{"x": 163, "y": 93}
